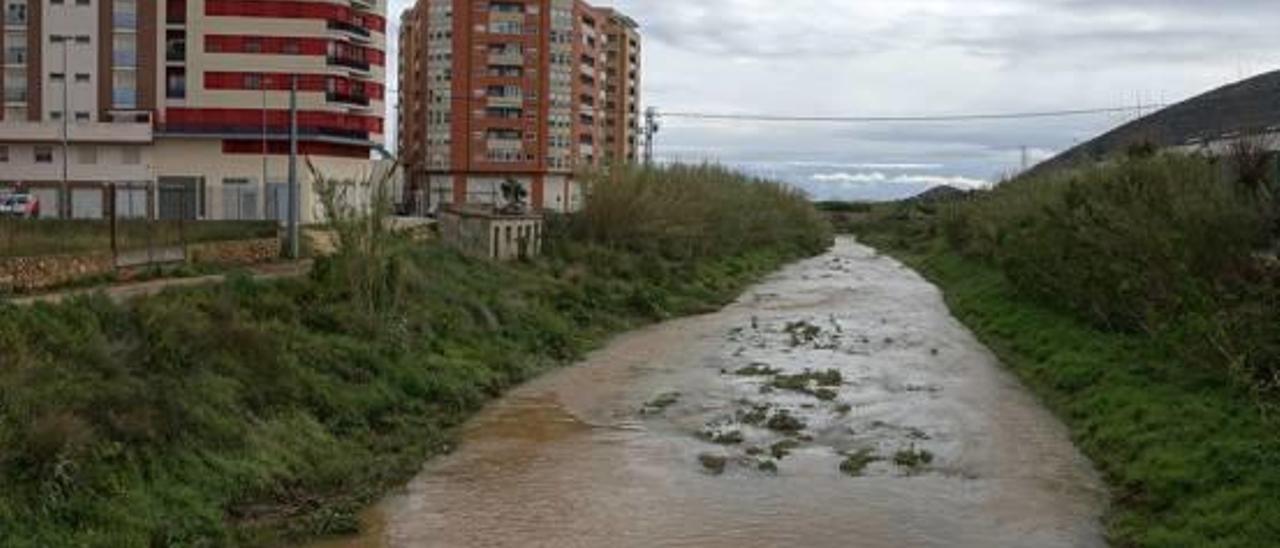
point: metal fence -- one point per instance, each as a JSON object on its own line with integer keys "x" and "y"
{"x": 133, "y": 242}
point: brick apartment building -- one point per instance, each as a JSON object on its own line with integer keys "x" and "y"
{"x": 182, "y": 105}
{"x": 528, "y": 90}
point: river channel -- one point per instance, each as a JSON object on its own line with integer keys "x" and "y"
{"x": 835, "y": 404}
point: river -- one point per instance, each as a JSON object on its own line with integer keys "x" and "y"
{"x": 907, "y": 433}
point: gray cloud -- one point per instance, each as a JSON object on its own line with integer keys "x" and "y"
{"x": 905, "y": 57}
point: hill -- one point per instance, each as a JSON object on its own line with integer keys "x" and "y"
{"x": 1247, "y": 106}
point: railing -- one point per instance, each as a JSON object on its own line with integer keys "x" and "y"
{"x": 348, "y": 62}
{"x": 256, "y": 130}
{"x": 338, "y": 97}
{"x": 348, "y": 27}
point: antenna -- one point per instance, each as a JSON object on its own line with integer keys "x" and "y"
{"x": 651, "y": 128}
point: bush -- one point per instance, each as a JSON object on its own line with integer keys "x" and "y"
{"x": 686, "y": 212}
{"x": 1128, "y": 245}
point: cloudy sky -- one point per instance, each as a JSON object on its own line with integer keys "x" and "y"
{"x": 925, "y": 57}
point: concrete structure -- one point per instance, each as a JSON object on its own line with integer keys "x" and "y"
{"x": 479, "y": 231}
{"x": 527, "y": 90}
{"x": 183, "y": 104}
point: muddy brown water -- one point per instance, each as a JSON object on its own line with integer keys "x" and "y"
{"x": 580, "y": 457}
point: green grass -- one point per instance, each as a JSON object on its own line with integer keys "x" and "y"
{"x": 1189, "y": 457}
{"x": 29, "y": 237}
{"x": 261, "y": 413}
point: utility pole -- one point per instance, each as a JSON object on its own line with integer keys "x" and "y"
{"x": 651, "y": 128}
{"x": 294, "y": 202}
{"x": 64, "y": 201}
{"x": 262, "y": 82}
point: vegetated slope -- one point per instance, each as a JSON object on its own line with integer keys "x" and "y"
{"x": 1129, "y": 297}
{"x": 257, "y": 413}
{"x": 1244, "y": 107}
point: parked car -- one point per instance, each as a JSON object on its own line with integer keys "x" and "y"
{"x": 20, "y": 205}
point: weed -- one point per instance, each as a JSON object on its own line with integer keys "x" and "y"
{"x": 782, "y": 449}
{"x": 784, "y": 421}
{"x": 855, "y": 464}
{"x": 912, "y": 459}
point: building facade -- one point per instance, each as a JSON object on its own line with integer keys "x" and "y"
{"x": 182, "y": 106}
{"x": 513, "y": 90}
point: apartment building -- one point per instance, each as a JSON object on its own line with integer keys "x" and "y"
{"x": 524, "y": 90}
{"x": 180, "y": 108}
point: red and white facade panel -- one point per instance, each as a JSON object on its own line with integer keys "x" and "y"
{"x": 213, "y": 79}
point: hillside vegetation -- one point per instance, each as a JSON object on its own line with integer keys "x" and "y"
{"x": 253, "y": 413}
{"x": 1138, "y": 298}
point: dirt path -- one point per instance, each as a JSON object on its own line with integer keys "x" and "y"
{"x": 836, "y": 404}
{"x": 125, "y": 292}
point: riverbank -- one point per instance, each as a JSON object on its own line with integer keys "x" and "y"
{"x": 262, "y": 413}
{"x": 1183, "y": 440}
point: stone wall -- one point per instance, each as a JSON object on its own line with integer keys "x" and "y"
{"x": 28, "y": 274}
{"x": 34, "y": 274}
{"x": 235, "y": 253}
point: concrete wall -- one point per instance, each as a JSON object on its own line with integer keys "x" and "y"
{"x": 491, "y": 236}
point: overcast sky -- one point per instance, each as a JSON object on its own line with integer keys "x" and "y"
{"x": 920, "y": 57}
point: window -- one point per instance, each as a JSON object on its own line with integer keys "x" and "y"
{"x": 88, "y": 155}
{"x": 57, "y": 76}
{"x": 4, "y": 154}
{"x": 176, "y": 83}
{"x": 239, "y": 199}
{"x": 55, "y": 115}
{"x": 82, "y": 116}
{"x": 82, "y": 77}
{"x": 44, "y": 155}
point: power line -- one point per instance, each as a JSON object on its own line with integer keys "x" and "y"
{"x": 900, "y": 119}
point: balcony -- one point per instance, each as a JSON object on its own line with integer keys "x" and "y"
{"x": 348, "y": 62}
{"x": 506, "y": 101}
{"x": 347, "y": 98}
{"x": 503, "y": 144}
{"x": 507, "y": 59}
{"x": 350, "y": 28}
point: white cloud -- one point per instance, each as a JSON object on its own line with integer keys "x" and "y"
{"x": 915, "y": 179}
